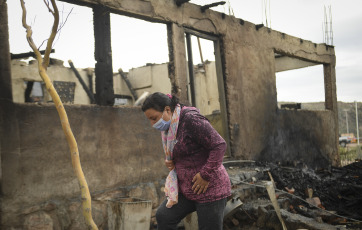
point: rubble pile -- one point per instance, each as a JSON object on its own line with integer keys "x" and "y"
{"x": 309, "y": 199}
{"x": 338, "y": 189}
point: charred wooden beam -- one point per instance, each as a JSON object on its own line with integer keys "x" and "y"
{"x": 208, "y": 6}
{"x": 128, "y": 83}
{"x": 103, "y": 56}
{"x": 191, "y": 68}
{"x": 80, "y": 79}
{"x": 257, "y": 27}
{"x": 90, "y": 79}
{"x": 180, "y": 2}
{"x": 28, "y": 54}
{"x": 5, "y": 62}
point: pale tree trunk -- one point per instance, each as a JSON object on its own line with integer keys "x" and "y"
{"x": 43, "y": 63}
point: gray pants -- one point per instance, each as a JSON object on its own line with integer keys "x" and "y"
{"x": 210, "y": 215}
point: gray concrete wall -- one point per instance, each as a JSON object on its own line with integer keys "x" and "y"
{"x": 150, "y": 78}
{"x": 117, "y": 145}
{"x": 302, "y": 136}
{"x": 21, "y": 71}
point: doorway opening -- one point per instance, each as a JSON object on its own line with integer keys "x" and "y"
{"x": 205, "y": 80}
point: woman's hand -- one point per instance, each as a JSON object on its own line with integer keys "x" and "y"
{"x": 169, "y": 164}
{"x": 200, "y": 185}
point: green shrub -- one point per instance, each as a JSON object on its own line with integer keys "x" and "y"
{"x": 349, "y": 155}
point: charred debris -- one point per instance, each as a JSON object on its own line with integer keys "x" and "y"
{"x": 324, "y": 198}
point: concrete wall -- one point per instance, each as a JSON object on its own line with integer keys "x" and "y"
{"x": 117, "y": 145}
{"x": 150, "y": 78}
{"x": 22, "y": 71}
{"x": 300, "y": 136}
{"x": 207, "y": 94}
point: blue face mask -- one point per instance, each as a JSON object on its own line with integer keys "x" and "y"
{"x": 162, "y": 125}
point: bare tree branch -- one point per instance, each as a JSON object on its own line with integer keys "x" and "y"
{"x": 62, "y": 24}
{"x": 52, "y": 35}
{"x": 42, "y": 44}
{"x": 29, "y": 33}
{"x": 42, "y": 67}
{"x": 33, "y": 22}
{"x": 66, "y": 19}
{"x": 46, "y": 2}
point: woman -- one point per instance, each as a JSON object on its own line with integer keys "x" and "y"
{"x": 196, "y": 152}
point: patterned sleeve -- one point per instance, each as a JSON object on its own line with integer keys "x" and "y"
{"x": 203, "y": 133}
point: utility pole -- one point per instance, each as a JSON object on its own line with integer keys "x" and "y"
{"x": 357, "y": 124}
{"x": 359, "y": 155}
{"x": 346, "y": 120}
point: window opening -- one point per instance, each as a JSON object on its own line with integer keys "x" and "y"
{"x": 299, "y": 83}
{"x": 205, "y": 80}
{"x": 33, "y": 91}
{"x": 140, "y": 59}
{"x": 65, "y": 91}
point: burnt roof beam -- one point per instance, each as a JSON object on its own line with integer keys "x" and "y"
{"x": 103, "y": 56}
{"x": 205, "y": 7}
{"x": 28, "y": 54}
{"x": 180, "y": 2}
{"x": 257, "y": 27}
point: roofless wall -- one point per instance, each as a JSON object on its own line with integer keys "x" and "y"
{"x": 117, "y": 145}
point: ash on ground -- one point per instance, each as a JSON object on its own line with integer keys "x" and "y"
{"x": 327, "y": 198}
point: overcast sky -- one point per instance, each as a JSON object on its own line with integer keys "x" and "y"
{"x": 136, "y": 42}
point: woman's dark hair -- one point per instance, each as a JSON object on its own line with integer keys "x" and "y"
{"x": 158, "y": 101}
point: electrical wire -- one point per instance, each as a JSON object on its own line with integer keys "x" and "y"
{"x": 261, "y": 186}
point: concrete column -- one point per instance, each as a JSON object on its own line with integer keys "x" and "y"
{"x": 177, "y": 66}
{"x": 103, "y": 56}
{"x": 330, "y": 89}
{"x": 5, "y": 71}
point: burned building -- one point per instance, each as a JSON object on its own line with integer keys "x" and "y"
{"x": 118, "y": 148}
